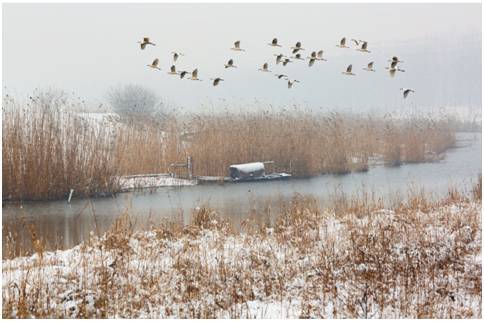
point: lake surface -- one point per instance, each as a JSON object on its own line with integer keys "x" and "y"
{"x": 64, "y": 225}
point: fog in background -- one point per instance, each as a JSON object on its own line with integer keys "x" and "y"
{"x": 89, "y": 48}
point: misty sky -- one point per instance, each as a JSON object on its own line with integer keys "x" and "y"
{"x": 89, "y": 48}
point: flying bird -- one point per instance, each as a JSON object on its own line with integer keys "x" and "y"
{"x": 183, "y": 74}
{"x": 216, "y": 81}
{"x": 265, "y": 67}
{"x": 311, "y": 61}
{"x": 369, "y": 67}
{"x": 154, "y": 64}
{"x": 342, "y": 43}
{"x": 281, "y": 76}
{"x": 320, "y": 55}
{"x": 230, "y": 63}
{"x": 297, "y": 46}
{"x": 297, "y": 56}
{"x": 348, "y": 71}
{"x": 279, "y": 58}
{"x": 237, "y": 46}
{"x": 393, "y": 68}
{"x": 286, "y": 61}
{"x": 195, "y": 75}
{"x": 176, "y": 55}
{"x": 364, "y": 47}
{"x": 406, "y": 92}
{"x": 146, "y": 41}
{"x": 290, "y": 83}
{"x": 173, "y": 70}
{"x": 274, "y": 43}
{"x": 356, "y": 42}
{"x": 395, "y": 59}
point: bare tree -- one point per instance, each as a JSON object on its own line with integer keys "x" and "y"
{"x": 134, "y": 101}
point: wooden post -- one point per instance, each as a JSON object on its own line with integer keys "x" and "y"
{"x": 189, "y": 166}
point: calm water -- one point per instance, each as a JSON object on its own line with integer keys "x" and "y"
{"x": 64, "y": 225}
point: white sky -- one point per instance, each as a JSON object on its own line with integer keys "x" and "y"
{"x": 89, "y": 48}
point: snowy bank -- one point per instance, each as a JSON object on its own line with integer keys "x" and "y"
{"x": 414, "y": 261}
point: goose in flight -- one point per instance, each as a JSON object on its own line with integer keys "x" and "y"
{"x": 393, "y": 68}
{"x": 154, "y": 64}
{"x": 281, "y": 76}
{"x": 286, "y": 61}
{"x": 230, "y": 63}
{"x": 183, "y": 74}
{"x": 395, "y": 59}
{"x": 176, "y": 55}
{"x": 369, "y": 67}
{"x": 357, "y": 43}
{"x": 146, "y": 41}
{"x": 290, "y": 83}
{"x": 297, "y": 46}
{"x": 348, "y": 71}
{"x": 216, "y": 81}
{"x": 320, "y": 55}
{"x": 279, "y": 58}
{"x": 265, "y": 67}
{"x": 311, "y": 61}
{"x": 364, "y": 46}
{"x": 274, "y": 43}
{"x": 342, "y": 43}
{"x": 195, "y": 75}
{"x": 297, "y": 56}
{"x": 406, "y": 92}
{"x": 173, "y": 70}
{"x": 237, "y": 46}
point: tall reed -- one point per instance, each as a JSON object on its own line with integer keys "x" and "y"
{"x": 48, "y": 150}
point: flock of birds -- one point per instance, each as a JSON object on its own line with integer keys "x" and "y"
{"x": 296, "y": 50}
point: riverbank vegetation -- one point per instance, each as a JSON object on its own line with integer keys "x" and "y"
{"x": 48, "y": 150}
{"x": 355, "y": 258}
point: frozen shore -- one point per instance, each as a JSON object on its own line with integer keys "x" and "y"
{"x": 419, "y": 260}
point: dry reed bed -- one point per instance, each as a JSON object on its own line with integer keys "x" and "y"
{"x": 47, "y": 150}
{"x": 419, "y": 259}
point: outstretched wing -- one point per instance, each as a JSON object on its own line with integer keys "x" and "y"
{"x": 350, "y": 67}
{"x": 195, "y": 73}
{"x": 320, "y": 54}
{"x": 231, "y": 62}
{"x": 265, "y": 66}
{"x": 237, "y": 44}
{"x": 343, "y": 41}
{"x": 311, "y": 62}
{"x": 364, "y": 45}
{"x": 173, "y": 68}
{"x": 155, "y": 62}
{"x": 370, "y": 65}
{"x": 274, "y": 41}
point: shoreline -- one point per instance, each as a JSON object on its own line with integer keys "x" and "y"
{"x": 306, "y": 263}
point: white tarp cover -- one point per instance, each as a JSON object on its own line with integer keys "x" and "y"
{"x": 249, "y": 167}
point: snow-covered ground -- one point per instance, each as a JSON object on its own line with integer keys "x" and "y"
{"x": 151, "y": 181}
{"x": 415, "y": 261}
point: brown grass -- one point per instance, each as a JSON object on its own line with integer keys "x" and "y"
{"x": 421, "y": 259}
{"x": 47, "y": 150}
